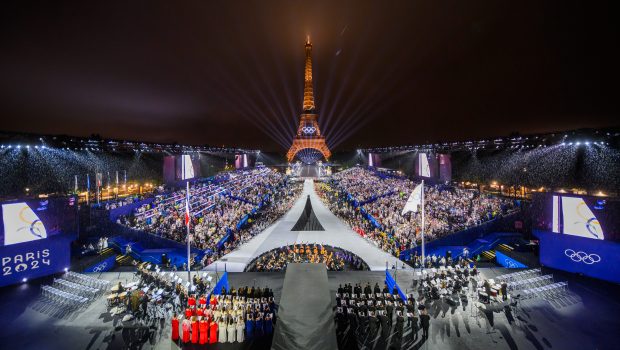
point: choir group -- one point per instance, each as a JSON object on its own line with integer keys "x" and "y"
{"x": 234, "y": 317}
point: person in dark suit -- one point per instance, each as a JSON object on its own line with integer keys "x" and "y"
{"x": 389, "y": 308}
{"x": 410, "y": 307}
{"x": 385, "y": 289}
{"x": 414, "y": 327}
{"x": 504, "y": 291}
{"x": 367, "y": 289}
{"x": 385, "y": 325}
{"x": 457, "y": 286}
{"x": 400, "y": 323}
{"x": 352, "y": 316}
{"x": 340, "y": 290}
{"x": 377, "y": 289}
{"x": 487, "y": 287}
{"x": 373, "y": 324}
{"x": 425, "y": 323}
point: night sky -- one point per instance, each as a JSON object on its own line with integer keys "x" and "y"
{"x": 231, "y": 72}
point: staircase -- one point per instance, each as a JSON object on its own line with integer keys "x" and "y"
{"x": 488, "y": 255}
{"x": 505, "y": 247}
{"x": 107, "y": 251}
{"x": 125, "y": 260}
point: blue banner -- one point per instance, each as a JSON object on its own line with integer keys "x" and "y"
{"x": 591, "y": 257}
{"x": 221, "y": 283}
{"x": 507, "y": 261}
{"x": 103, "y": 266}
{"x": 34, "y": 259}
{"x": 391, "y": 283}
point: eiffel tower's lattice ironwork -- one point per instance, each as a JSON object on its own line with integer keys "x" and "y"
{"x": 308, "y": 133}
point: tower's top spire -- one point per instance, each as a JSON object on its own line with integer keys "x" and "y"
{"x": 308, "y": 104}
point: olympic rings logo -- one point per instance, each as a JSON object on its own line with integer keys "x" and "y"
{"x": 511, "y": 264}
{"x": 583, "y": 257}
{"x": 101, "y": 267}
{"x": 36, "y": 228}
{"x": 308, "y": 129}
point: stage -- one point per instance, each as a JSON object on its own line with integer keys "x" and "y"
{"x": 588, "y": 321}
{"x": 336, "y": 234}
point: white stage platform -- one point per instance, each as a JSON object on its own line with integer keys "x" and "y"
{"x": 336, "y": 234}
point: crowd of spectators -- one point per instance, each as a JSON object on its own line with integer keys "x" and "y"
{"x": 334, "y": 259}
{"x": 216, "y": 208}
{"x": 448, "y": 209}
{"x": 363, "y": 184}
{"x": 280, "y": 203}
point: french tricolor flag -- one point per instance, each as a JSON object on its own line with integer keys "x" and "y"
{"x": 187, "y": 207}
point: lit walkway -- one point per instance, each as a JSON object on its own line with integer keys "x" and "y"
{"x": 336, "y": 234}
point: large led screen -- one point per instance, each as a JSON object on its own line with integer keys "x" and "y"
{"x": 21, "y": 224}
{"x": 583, "y": 216}
{"x": 187, "y": 168}
{"x": 424, "y": 168}
{"x": 31, "y": 220}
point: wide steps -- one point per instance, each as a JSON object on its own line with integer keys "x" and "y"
{"x": 505, "y": 247}
{"x": 489, "y": 255}
{"x": 125, "y": 260}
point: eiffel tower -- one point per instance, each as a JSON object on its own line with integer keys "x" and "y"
{"x": 308, "y": 133}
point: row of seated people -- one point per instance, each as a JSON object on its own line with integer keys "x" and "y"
{"x": 434, "y": 260}
{"x": 362, "y": 313}
{"x": 333, "y": 258}
{"x": 225, "y": 319}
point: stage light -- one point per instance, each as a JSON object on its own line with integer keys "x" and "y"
{"x": 587, "y": 143}
{"x": 66, "y": 269}
{"x": 24, "y": 280}
{"x": 19, "y": 146}
{"x": 578, "y": 143}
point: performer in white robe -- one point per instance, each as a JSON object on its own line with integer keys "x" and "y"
{"x": 231, "y": 331}
{"x": 221, "y": 326}
{"x": 240, "y": 329}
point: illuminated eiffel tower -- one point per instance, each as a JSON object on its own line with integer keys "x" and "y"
{"x": 308, "y": 133}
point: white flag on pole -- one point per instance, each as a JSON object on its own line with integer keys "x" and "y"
{"x": 415, "y": 199}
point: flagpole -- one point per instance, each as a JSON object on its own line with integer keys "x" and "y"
{"x": 189, "y": 274}
{"x": 423, "y": 254}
